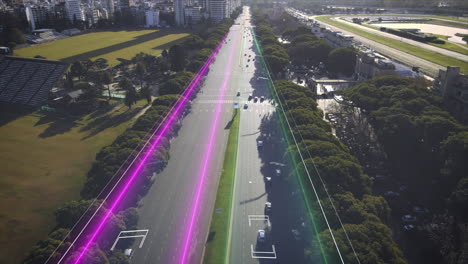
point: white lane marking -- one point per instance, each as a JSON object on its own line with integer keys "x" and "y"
{"x": 259, "y": 218}
{"x": 122, "y": 235}
{"x": 263, "y": 254}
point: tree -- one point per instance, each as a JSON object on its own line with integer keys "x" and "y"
{"x": 146, "y": 93}
{"x": 67, "y": 215}
{"x": 77, "y": 69}
{"x": 177, "y": 57}
{"x": 131, "y": 97}
{"x": 107, "y": 79}
{"x": 342, "y": 60}
{"x": 140, "y": 71}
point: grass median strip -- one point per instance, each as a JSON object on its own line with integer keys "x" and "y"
{"x": 417, "y": 51}
{"x": 216, "y": 246}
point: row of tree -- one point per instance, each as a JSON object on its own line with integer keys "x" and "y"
{"x": 306, "y": 49}
{"x": 428, "y": 151}
{"x": 145, "y": 68}
{"x": 362, "y": 215}
{"x": 275, "y": 55}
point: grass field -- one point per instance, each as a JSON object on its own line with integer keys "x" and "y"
{"x": 105, "y": 44}
{"x": 417, "y": 51}
{"x": 216, "y": 247}
{"x": 447, "y": 45}
{"x": 44, "y": 160}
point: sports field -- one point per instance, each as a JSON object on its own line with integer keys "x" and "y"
{"x": 44, "y": 160}
{"x": 105, "y": 44}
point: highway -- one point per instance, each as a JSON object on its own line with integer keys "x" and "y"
{"x": 258, "y": 122}
{"x": 169, "y": 205}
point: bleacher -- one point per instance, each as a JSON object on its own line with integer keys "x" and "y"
{"x": 28, "y": 81}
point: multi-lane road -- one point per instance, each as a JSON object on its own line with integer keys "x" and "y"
{"x": 170, "y": 206}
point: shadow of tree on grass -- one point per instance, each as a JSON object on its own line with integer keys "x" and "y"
{"x": 101, "y": 123}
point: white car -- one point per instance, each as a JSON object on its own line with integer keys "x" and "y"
{"x": 261, "y": 236}
{"x": 267, "y": 207}
{"x": 255, "y": 99}
{"x": 278, "y": 172}
{"x": 262, "y": 98}
{"x": 259, "y": 144}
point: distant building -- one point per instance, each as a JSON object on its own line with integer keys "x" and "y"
{"x": 74, "y": 10}
{"x": 152, "y": 18}
{"x": 125, "y": 4}
{"x": 453, "y": 86}
{"x": 109, "y": 6}
{"x": 193, "y": 14}
{"x": 218, "y": 10}
{"x": 370, "y": 64}
{"x": 179, "y": 12}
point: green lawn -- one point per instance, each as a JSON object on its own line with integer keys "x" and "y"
{"x": 420, "y": 52}
{"x": 106, "y": 44}
{"x": 44, "y": 159}
{"x": 216, "y": 246}
{"x": 449, "y": 45}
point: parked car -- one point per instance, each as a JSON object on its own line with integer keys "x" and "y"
{"x": 296, "y": 234}
{"x": 268, "y": 208}
{"x": 261, "y": 236}
{"x": 408, "y": 219}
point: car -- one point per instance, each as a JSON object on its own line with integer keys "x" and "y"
{"x": 391, "y": 194}
{"x": 268, "y": 182}
{"x": 250, "y": 56}
{"x": 246, "y": 106}
{"x": 408, "y": 227}
{"x": 278, "y": 172}
{"x": 268, "y": 208}
{"x": 261, "y": 236}
{"x": 248, "y": 60}
{"x": 262, "y": 98}
{"x": 238, "y": 93}
{"x": 245, "y": 54}
{"x": 247, "y": 65}
{"x": 253, "y": 59}
{"x": 420, "y": 210}
{"x": 408, "y": 219}
{"x": 259, "y": 144}
{"x": 128, "y": 252}
{"x": 296, "y": 234}
{"x": 250, "y": 97}
{"x": 255, "y": 99}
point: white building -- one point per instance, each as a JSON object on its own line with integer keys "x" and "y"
{"x": 219, "y": 10}
{"x": 179, "y": 12}
{"x": 152, "y": 18}
{"x": 74, "y": 10}
{"x": 193, "y": 14}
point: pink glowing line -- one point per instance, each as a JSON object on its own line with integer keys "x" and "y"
{"x": 147, "y": 154}
{"x": 207, "y": 158}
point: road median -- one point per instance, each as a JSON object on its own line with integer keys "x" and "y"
{"x": 216, "y": 248}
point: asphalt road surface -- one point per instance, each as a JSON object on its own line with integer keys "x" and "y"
{"x": 258, "y": 122}
{"x": 166, "y": 209}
